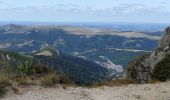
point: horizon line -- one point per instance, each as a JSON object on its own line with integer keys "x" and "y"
{"x": 90, "y": 22}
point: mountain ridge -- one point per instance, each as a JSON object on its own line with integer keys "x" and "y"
{"x": 75, "y": 30}
{"x": 29, "y": 39}
{"x": 143, "y": 68}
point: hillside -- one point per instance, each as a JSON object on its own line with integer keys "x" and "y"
{"x": 153, "y": 66}
{"x": 120, "y": 47}
{"x": 74, "y": 62}
{"x": 77, "y": 70}
{"x": 80, "y": 71}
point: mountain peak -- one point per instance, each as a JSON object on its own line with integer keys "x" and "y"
{"x": 47, "y": 50}
{"x": 165, "y": 40}
{"x": 10, "y": 27}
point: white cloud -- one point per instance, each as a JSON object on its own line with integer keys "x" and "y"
{"x": 124, "y": 8}
{"x": 137, "y": 8}
{"x": 71, "y": 11}
{"x": 1, "y": 2}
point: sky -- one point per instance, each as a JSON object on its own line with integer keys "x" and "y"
{"x": 143, "y": 11}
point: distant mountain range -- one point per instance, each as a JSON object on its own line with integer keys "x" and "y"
{"x": 120, "y": 47}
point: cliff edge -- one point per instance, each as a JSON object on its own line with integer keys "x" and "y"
{"x": 144, "y": 68}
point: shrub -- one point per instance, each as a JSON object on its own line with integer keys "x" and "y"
{"x": 162, "y": 70}
{"x": 24, "y": 67}
{"x": 25, "y": 80}
{"x": 22, "y": 81}
{"x": 64, "y": 80}
{"x": 49, "y": 80}
{"x": 40, "y": 69}
{"x": 52, "y": 78}
{"x": 4, "y": 81}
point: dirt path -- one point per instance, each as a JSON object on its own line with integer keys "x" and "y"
{"x": 159, "y": 91}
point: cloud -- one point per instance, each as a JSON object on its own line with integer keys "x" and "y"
{"x": 137, "y": 8}
{"x": 73, "y": 5}
{"x": 69, "y": 5}
{"x": 66, "y": 9}
{"x": 42, "y": 6}
{"x": 1, "y": 2}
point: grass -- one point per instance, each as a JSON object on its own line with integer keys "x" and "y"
{"x": 65, "y": 80}
{"x": 4, "y": 82}
{"x": 118, "y": 82}
{"x": 49, "y": 80}
{"x": 22, "y": 81}
{"x": 53, "y": 78}
{"x": 153, "y": 81}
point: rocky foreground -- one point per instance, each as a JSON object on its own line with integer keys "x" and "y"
{"x": 158, "y": 91}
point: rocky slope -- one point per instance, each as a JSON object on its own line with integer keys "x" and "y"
{"x": 143, "y": 67}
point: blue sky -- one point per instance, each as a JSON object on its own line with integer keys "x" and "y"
{"x": 145, "y": 11}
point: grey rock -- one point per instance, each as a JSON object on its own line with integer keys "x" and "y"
{"x": 143, "y": 68}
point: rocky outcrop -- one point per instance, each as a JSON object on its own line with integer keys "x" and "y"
{"x": 8, "y": 59}
{"x": 141, "y": 69}
{"x": 165, "y": 41}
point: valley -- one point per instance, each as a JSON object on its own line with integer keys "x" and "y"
{"x": 84, "y": 50}
{"x": 80, "y": 65}
{"x": 120, "y": 47}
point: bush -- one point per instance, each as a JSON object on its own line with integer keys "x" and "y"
{"x": 162, "y": 70}
{"x": 22, "y": 81}
{"x": 25, "y": 67}
{"x": 40, "y": 69}
{"x": 4, "y": 82}
{"x": 49, "y": 80}
{"x": 52, "y": 78}
{"x": 64, "y": 80}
